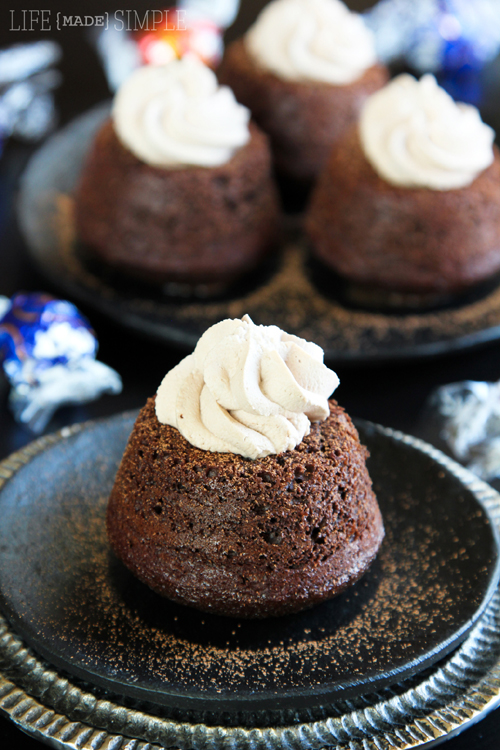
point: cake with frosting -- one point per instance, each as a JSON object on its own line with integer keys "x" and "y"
{"x": 304, "y": 69}
{"x": 177, "y": 185}
{"x": 243, "y": 490}
{"x": 410, "y": 198}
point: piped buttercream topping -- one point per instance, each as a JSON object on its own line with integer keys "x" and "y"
{"x": 415, "y": 135}
{"x": 247, "y": 389}
{"x": 311, "y": 40}
{"x": 177, "y": 115}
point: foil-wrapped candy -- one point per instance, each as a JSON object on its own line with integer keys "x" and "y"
{"x": 452, "y": 38}
{"x": 465, "y": 416}
{"x": 428, "y": 32}
{"x": 48, "y": 350}
{"x": 27, "y": 82}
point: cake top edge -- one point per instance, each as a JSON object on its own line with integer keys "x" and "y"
{"x": 247, "y": 389}
{"x": 415, "y": 135}
{"x": 312, "y": 40}
{"x": 177, "y": 115}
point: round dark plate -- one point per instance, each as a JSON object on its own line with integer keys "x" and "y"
{"x": 75, "y": 603}
{"x": 288, "y": 292}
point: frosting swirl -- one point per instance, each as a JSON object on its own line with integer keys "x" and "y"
{"x": 415, "y": 135}
{"x": 312, "y": 40}
{"x": 177, "y": 115}
{"x": 247, "y": 389}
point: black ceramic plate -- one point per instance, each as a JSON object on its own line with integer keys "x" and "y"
{"x": 67, "y": 595}
{"x": 289, "y": 292}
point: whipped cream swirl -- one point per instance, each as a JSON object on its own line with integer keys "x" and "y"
{"x": 415, "y": 135}
{"x": 311, "y": 40}
{"x": 247, "y": 389}
{"x": 177, "y": 115}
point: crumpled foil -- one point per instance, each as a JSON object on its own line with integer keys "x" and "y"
{"x": 467, "y": 416}
{"x": 47, "y": 351}
{"x": 27, "y": 82}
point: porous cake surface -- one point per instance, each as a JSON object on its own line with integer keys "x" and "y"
{"x": 184, "y": 224}
{"x": 242, "y": 537}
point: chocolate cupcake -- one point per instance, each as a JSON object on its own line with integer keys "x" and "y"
{"x": 304, "y": 70}
{"x": 410, "y": 198}
{"x": 228, "y": 499}
{"x": 177, "y": 186}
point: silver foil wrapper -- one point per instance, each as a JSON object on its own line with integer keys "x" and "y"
{"x": 466, "y": 417}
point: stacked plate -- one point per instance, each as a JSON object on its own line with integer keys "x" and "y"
{"x": 89, "y": 657}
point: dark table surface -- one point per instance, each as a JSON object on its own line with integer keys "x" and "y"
{"x": 392, "y": 395}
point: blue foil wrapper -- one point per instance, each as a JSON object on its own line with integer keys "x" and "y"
{"x": 47, "y": 351}
{"x": 452, "y": 38}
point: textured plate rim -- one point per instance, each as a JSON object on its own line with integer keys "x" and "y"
{"x": 45, "y": 704}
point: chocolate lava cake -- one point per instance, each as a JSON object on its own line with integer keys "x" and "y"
{"x": 302, "y": 118}
{"x": 191, "y": 225}
{"x": 242, "y": 537}
{"x": 405, "y": 239}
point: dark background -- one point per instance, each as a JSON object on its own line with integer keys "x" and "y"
{"x": 393, "y": 395}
